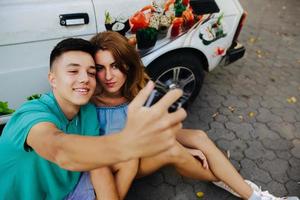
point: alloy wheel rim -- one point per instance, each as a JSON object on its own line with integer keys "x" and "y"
{"x": 177, "y": 77}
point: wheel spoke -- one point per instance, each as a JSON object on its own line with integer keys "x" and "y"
{"x": 176, "y": 72}
{"x": 161, "y": 85}
{"x": 186, "y": 81}
{"x": 186, "y": 95}
{"x": 181, "y": 77}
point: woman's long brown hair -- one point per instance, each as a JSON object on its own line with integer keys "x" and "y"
{"x": 127, "y": 60}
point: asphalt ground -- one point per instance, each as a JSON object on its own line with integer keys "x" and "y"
{"x": 250, "y": 108}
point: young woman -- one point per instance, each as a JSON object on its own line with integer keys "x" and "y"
{"x": 120, "y": 76}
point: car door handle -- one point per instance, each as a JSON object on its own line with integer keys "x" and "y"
{"x": 73, "y": 19}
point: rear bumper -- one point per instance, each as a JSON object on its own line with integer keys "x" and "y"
{"x": 234, "y": 53}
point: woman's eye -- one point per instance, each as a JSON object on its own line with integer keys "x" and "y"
{"x": 72, "y": 71}
{"x": 98, "y": 68}
{"x": 115, "y": 67}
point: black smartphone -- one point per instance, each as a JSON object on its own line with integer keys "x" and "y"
{"x": 156, "y": 95}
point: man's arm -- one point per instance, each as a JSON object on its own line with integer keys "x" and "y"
{"x": 148, "y": 131}
{"x": 76, "y": 152}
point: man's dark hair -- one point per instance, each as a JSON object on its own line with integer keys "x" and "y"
{"x": 71, "y": 44}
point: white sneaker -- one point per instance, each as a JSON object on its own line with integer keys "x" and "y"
{"x": 253, "y": 186}
{"x": 265, "y": 195}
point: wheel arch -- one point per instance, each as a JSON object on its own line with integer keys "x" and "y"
{"x": 197, "y": 53}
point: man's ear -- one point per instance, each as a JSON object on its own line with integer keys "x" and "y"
{"x": 52, "y": 79}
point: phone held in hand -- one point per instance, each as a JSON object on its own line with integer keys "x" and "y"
{"x": 157, "y": 94}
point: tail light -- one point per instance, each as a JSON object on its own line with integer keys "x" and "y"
{"x": 240, "y": 26}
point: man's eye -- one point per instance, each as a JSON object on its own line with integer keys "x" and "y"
{"x": 92, "y": 73}
{"x": 72, "y": 71}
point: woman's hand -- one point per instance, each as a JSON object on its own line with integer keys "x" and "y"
{"x": 199, "y": 155}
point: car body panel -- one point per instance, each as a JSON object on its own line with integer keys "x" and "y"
{"x": 28, "y": 34}
{"x": 31, "y": 28}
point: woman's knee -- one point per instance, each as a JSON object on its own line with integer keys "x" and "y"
{"x": 201, "y": 134}
{"x": 202, "y": 137}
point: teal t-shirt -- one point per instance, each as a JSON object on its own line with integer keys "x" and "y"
{"x": 23, "y": 173}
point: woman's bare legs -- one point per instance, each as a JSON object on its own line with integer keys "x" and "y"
{"x": 218, "y": 163}
{"x": 220, "y": 167}
{"x": 104, "y": 184}
{"x": 113, "y": 183}
{"x": 181, "y": 159}
{"x": 125, "y": 173}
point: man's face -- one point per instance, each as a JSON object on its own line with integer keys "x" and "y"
{"x": 73, "y": 78}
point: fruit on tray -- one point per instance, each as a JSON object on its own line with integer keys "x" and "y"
{"x": 188, "y": 17}
{"x": 176, "y": 26}
{"x": 185, "y": 2}
{"x": 138, "y": 21}
{"x": 146, "y": 37}
{"x": 179, "y": 8}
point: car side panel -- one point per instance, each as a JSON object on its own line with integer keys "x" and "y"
{"x": 29, "y": 31}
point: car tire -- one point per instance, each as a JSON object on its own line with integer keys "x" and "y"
{"x": 183, "y": 70}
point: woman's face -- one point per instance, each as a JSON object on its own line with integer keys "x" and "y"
{"x": 110, "y": 77}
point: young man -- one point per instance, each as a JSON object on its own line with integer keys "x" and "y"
{"x": 48, "y": 141}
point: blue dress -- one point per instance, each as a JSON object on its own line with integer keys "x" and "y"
{"x": 111, "y": 119}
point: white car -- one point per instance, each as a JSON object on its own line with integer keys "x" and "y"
{"x": 185, "y": 47}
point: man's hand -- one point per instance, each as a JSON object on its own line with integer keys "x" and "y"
{"x": 150, "y": 130}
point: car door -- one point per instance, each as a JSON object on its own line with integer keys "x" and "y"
{"x": 29, "y": 29}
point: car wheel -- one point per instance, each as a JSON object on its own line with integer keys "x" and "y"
{"x": 183, "y": 71}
